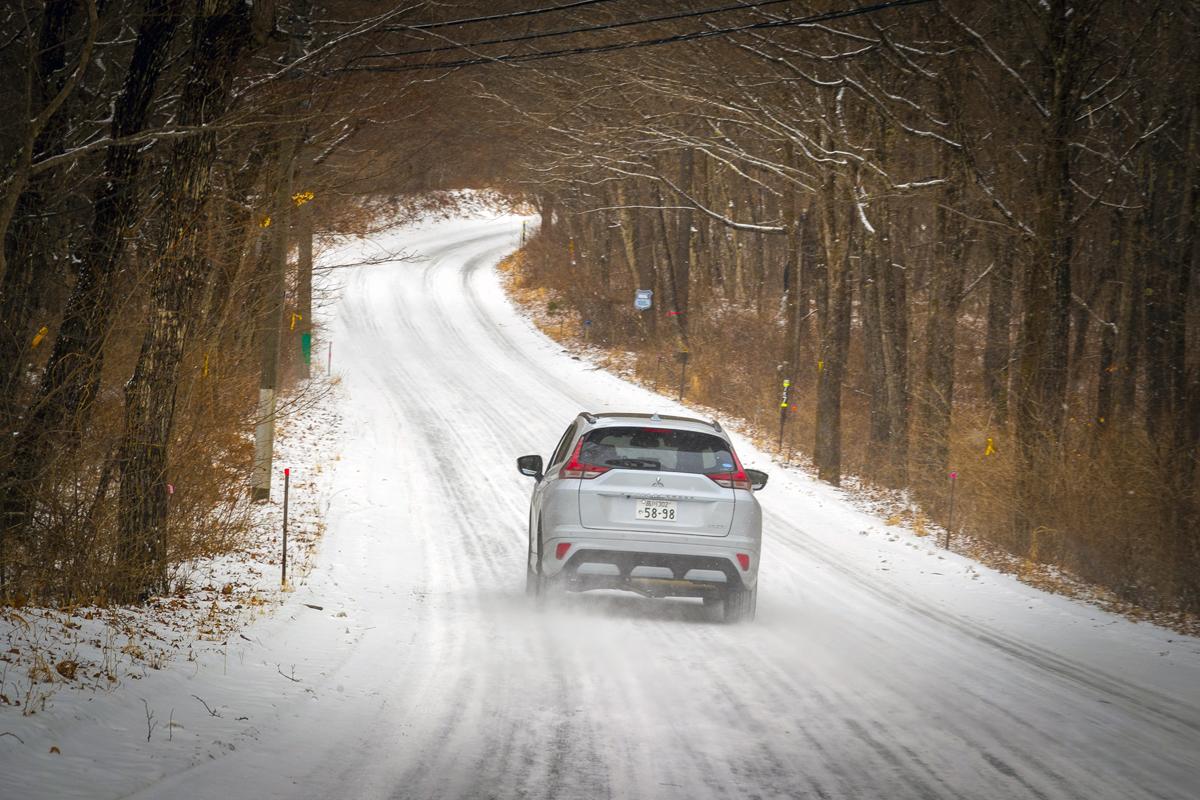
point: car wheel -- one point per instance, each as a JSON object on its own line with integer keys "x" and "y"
{"x": 740, "y": 605}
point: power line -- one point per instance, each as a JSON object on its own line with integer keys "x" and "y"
{"x": 568, "y": 31}
{"x": 517, "y": 58}
{"x": 509, "y": 15}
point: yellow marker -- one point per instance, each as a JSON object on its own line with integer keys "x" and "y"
{"x": 300, "y": 198}
{"x": 294, "y": 318}
{"x": 204, "y": 369}
{"x": 265, "y": 222}
{"x": 989, "y": 450}
{"x": 820, "y": 366}
{"x": 41, "y": 334}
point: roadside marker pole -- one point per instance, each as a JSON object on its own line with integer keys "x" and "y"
{"x": 683, "y": 359}
{"x": 287, "y": 473}
{"x": 329, "y": 361}
{"x": 783, "y": 407}
{"x": 950, "y": 516}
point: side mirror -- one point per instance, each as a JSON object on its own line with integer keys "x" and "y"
{"x": 758, "y": 478}
{"x": 532, "y": 466}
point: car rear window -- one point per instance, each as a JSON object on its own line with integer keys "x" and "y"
{"x": 656, "y": 449}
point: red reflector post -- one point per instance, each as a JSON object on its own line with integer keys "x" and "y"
{"x": 743, "y": 559}
{"x": 560, "y": 550}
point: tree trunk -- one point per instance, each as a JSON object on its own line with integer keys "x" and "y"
{"x": 1184, "y": 383}
{"x": 72, "y": 374}
{"x": 671, "y": 276}
{"x": 52, "y": 90}
{"x": 221, "y": 31}
{"x": 936, "y": 398}
{"x": 1130, "y": 320}
{"x": 997, "y": 349}
{"x": 1042, "y": 358}
{"x": 29, "y": 244}
{"x": 641, "y": 272}
{"x": 683, "y": 247}
{"x": 834, "y": 324}
{"x": 871, "y": 303}
{"x": 893, "y": 315}
{"x": 795, "y": 219}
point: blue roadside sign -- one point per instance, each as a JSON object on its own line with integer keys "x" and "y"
{"x": 643, "y": 299}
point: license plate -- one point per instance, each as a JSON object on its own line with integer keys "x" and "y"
{"x": 657, "y": 510}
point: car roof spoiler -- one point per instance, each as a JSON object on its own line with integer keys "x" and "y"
{"x": 592, "y": 419}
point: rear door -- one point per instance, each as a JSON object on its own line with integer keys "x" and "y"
{"x": 657, "y": 479}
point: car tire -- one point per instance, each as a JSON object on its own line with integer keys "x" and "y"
{"x": 533, "y": 582}
{"x": 741, "y": 605}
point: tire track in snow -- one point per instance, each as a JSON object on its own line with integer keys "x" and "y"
{"x": 1150, "y": 705}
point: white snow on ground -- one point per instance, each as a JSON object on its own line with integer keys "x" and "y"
{"x": 90, "y": 734}
{"x": 878, "y": 667}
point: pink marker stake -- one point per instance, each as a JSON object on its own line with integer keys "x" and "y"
{"x": 950, "y": 516}
{"x": 287, "y": 472}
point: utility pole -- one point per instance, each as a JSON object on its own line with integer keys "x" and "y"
{"x": 303, "y": 225}
{"x": 271, "y": 322}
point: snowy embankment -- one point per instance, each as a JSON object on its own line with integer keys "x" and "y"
{"x": 99, "y": 701}
{"x": 408, "y": 663}
{"x": 95, "y": 701}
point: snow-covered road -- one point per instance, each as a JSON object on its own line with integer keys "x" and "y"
{"x": 877, "y": 667}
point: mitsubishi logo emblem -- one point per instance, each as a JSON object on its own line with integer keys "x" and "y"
{"x": 657, "y": 482}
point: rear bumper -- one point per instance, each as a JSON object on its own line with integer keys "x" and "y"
{"x": 658, "y": 568}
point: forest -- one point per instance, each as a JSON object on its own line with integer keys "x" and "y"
{"x": 963, "y": 233}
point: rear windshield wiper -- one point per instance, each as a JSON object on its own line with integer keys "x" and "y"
{"x": 635, "y": 463}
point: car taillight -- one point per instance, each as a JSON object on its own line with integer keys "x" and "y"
{"x": 733, "y": 480}
{"x": 577, "y": 469}
{"x": 561, "y": 549}
{"x": 744, "y": 560}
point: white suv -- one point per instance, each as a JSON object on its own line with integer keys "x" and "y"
{"x": 658, "y": 505}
